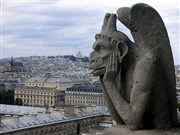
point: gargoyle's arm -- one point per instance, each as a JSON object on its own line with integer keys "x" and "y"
{"x": 132, "y": 113}
{"x": 110, "y": 105}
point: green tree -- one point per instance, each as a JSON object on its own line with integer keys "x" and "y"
{"x": 1, "y": 98}
{"x": 8, "y": 97}
{"x": 178, "y": 106}
{"x": 18, "y": 101}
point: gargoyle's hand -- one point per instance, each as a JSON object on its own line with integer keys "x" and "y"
{"x": 112, "y": 69}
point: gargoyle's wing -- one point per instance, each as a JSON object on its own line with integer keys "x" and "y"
{"x": 148, "y": 31}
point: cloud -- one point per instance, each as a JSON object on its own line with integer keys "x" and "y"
{"x": 57, "y": 27}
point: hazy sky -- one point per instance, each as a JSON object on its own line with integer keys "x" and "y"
{"x": 60, "y": 27}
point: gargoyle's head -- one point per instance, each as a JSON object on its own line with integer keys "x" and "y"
{"x": 107, "y": 42}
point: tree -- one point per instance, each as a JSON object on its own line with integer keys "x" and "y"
{"x": 8, "y": 97}
{"x": 178, "y": 106}
{"x": 18, "y": 101}
{"x": 1, "y": 98}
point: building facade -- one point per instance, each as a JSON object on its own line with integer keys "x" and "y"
{"x": 84, "y": 96}
{"x": 45, "y": 90}
{"x": 39, "y": 97}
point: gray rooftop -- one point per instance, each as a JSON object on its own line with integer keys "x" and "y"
{"x": 22, "y": 116}
{"x": 54, "y": 80}
{"x": 18, "y": 117}
{"x": 19, "y": 110}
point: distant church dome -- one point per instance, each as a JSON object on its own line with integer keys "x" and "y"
{"x": 79, "y": 54}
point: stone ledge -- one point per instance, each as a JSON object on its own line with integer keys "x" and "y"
{"x": 122, "y": 130}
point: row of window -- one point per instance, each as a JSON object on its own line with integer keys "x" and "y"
{"x": 34, "y": 97}
{"x": 38, "y": 102}
{"x": 83, "y": 93}
{"x": 84, "y": 97}
{"x": 83, "y": 101}
{"x": 34, "y": 84}
{"x": 54, "y": 85}
{"x": 33, "y": 92}
{"x": 38, "y": 84}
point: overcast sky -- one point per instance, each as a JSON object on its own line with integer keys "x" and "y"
{"x": 61, "y": 27}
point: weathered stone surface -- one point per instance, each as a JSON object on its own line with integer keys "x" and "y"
{"x": 138, "y": 78}
{"x": 125, "y": 131}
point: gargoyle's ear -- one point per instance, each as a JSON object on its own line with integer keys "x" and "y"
{"x": 122, "y": 49}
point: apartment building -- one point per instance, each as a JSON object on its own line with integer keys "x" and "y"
{"x": 39, "y": 97}
{"x": 45, "y": 90}
{"x": 84, "y": 96}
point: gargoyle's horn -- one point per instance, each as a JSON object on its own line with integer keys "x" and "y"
{"x": 106, "y": 18}
{"x": 111, "y": 25}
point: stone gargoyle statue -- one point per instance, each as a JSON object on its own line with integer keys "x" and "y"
{"x": 138, "y": 78}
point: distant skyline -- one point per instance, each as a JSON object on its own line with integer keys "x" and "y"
{"x": 62, "y": 27}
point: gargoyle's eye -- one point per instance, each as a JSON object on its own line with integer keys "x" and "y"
{"x": 102, "y": 48}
